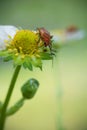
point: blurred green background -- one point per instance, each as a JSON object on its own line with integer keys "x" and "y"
{"x": 67, "y": 75}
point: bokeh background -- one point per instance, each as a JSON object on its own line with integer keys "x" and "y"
{"x": 61, "y": 100}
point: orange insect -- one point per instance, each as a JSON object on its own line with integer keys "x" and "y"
{"x": 45, "y": 37}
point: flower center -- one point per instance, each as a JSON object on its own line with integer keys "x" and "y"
{"x": 25, "y": 41}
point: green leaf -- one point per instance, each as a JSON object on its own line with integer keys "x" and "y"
{"x": 18, "y": 60}
{"x": 7, "y": 58}
{"x": 27, "y": 64}
{"x": 46, "y": 56}
{"x": 3, "y": 53}
{"x": 15, "y": 107}
{"x": 29, "y": 88}
{"x": 36, "y": 62}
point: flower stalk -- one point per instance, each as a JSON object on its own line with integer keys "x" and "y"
{"x": 7, "y": 99}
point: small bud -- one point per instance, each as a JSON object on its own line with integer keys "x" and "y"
{"x": 29, "y": 88}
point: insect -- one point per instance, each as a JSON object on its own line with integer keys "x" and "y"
{"x": 45, "y": 37}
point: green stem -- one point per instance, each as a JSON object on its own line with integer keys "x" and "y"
{"x": 7, "y": 99}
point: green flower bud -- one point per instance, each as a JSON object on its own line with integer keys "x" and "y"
{"x": 29, "y": 88}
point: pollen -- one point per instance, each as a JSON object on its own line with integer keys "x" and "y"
{"x": 22, "y": 56}
{"x": 10, "y": 50}
{"x": 9, "y": 37}
{"x": 16, "y": 54}
{"x": 25, "y": 42}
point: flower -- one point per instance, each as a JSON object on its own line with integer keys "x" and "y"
{"x": 24, "y": 47}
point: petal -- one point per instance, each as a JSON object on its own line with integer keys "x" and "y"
{"x": 6, "y": 31}
{"x": 80, "y": 34}
{"x": 63, "y": 36}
